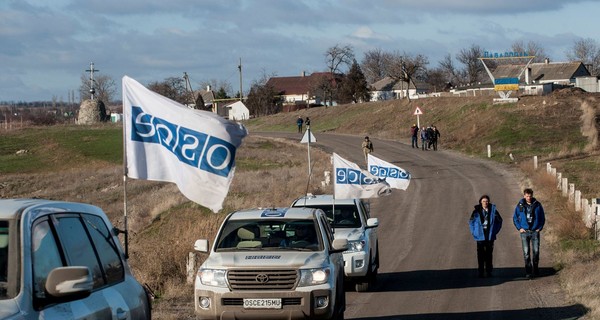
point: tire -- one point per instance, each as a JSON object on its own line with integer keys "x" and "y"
{"x": 363, "y": 284}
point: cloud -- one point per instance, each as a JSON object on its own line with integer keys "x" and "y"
{"x": 364, "y": 32}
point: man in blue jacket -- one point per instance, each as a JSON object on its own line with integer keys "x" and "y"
{"x": 485, "y": 223}
{"x": 529, "y": 219}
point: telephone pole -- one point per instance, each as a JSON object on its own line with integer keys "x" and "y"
{"x": 240, "y": 68}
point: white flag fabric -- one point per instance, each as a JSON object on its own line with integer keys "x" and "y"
{"x": 395, "y": 176}
{"x": 167, "y": 141}
{"x": 353, "y": 182}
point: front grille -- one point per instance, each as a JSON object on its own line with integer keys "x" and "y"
{"x": 240, "y": 301}
{"x": 262, "y": 279}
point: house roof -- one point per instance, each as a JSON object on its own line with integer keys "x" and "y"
{"x": 296, "y": 85}
{"x": 543, "y": 71}
{"x": 390, "y": 84}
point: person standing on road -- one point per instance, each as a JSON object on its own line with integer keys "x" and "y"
{"x": 307, "y": 122}
{"x": 299, "y": 123}
{"x": 435, "y": 135}
{"x": 529, "y": 219}
{"x": 414, "y": 134}
{"x": 423, "y": 138}
{"x": 485, "y": 223}
{"x": 367, "y": 147}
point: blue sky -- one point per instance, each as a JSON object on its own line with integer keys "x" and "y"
{"x": 46, "y": 45}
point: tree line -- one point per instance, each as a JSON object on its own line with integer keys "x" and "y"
{"x": 347, "y": 80}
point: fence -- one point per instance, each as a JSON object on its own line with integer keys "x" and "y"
{"x": 589, "y": 208}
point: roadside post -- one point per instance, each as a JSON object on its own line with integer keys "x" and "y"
{"x": 308, "y": 138}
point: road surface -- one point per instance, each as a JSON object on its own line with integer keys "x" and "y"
{"x": 428, "y": 257}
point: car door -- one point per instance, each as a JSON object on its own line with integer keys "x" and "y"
{"x": 48, "y": 253}
{"x": 370, "y": 233}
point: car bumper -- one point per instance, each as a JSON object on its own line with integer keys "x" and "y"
{"x": 356, "y": 264}
{"x": 294, "y": 305}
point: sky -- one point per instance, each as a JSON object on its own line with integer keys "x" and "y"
{"x": 46, "y": 45}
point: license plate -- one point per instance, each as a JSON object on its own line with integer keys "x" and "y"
{"x": 262, "y": 303}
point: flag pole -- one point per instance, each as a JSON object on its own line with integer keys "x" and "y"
{"x": 125, "y": 230}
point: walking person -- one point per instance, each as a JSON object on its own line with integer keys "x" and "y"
{"x": 307, "y": 122}
{"x": 429, "y": 137}
{"x": 529, "y": 219}
{"x": 434, "y": 137}
{"x": 367, "y": 147}
{"x": 299, "y": 123}
{"x": 423, "y": 138}
{"x": 485, "y": 223}
{"x": 414, "y": 133}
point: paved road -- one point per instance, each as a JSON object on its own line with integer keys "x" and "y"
{"x": 428, "y": 257}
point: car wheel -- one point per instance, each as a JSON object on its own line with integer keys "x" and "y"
{"x": 363, "y": 284}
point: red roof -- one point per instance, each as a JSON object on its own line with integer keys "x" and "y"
{"x": 296, "y": 85}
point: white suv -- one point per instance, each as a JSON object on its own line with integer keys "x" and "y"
{"x": 63, "y": 260}
{"x": 279, "y": 263}
{"x": 352, "y": 221}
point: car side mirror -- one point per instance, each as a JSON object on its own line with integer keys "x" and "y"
{"x": 339, "y": 245}
{"x": 372, "y": 222}
{"x": 201, "y": 245}
{"x": 69, "y": 282}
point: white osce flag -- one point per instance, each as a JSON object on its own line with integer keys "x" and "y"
{"x": 167, "y": 141}
{"x": 397, "y": 177}
{"x": 353, "y": 182}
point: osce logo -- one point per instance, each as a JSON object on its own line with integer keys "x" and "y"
{"x": 353, "y": 176}
{"x": 193, "y": 148}
{"x": 385, "y": 172}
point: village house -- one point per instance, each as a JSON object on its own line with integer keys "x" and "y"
{"x": 389, "y": 88}
{"x": 299, "y": 91}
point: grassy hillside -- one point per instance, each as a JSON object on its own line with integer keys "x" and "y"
{"x": 82, "y": 163}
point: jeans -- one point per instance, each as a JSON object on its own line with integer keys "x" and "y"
{"x": 415, "y": 142}
{"x": 530, "y": 241}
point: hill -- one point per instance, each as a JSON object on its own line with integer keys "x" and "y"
{"x": 76, "y": 163}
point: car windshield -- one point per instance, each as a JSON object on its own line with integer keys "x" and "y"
{"x": 345, "y": 216}
{"x": 270, "y": 235}
{"x": 3, "y": 259}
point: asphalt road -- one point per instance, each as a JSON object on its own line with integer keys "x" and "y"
{"x": 428, "y": 257}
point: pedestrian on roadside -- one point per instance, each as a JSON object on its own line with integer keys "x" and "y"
{"x": 529, "y": 219}
{"x": 299, "y": 123}
{"x": 367, "y": 147}
{"x": 485, "y": 223}
{"x": 414, "y": 134}
{"x": 434, "y": 137}
{"x": 423, "y": 138}
{"x": 307, "y": 122}
{"x": 429, "y": 137}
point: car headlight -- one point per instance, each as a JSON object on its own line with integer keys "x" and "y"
{"x": 213, "y": 277}
{"x": 312, "y": 277}
{"x": 356, "y": 245}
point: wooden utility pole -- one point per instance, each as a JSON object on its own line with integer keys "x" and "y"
{"x": 240, "y": 68}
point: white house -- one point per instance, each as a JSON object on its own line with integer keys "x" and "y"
{"x": 238, "y": 111}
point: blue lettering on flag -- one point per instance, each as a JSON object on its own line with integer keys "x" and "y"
{"x": 274, "y": 213}
{"x": 197, "y": 149}
{"x": 353, "y": 176}
{"x": 388, "y": 172}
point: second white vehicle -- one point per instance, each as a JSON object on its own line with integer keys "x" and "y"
{"x": 350, "y": 219}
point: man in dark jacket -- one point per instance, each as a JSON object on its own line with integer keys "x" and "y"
{"x": 485, "y": 223}
{"x": 529, "y": 219}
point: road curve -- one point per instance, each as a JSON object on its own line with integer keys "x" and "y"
{"x": 428, "y": 257}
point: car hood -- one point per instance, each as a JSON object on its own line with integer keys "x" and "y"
{"x": 265, "y": 259}
{"x": 348, "y": 233}
{"x": 8, "y": 308}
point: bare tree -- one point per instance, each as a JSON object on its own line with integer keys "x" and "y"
{"x": 104, "y": 88}
{"x": 587, "y": 51}
{"x": 374, "y": 66}
{"x": 450, "y": 71}
{"x": 532, "y": 48}
{"x": 336, "y": 57}
{"x": 469, "y": 57}
{"x": 262, "y": 98}
{"x": 406, "y": 68}
{"x": 172, "y": 88}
